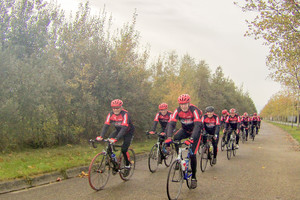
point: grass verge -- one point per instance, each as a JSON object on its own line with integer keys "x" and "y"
{"x": 33, "y": 162}
{"x": 293, "y": 131}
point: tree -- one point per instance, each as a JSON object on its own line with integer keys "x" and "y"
{"x": 278, "y": 23}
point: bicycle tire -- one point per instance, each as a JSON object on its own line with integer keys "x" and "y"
{"x": 99, "y": 171}
{"x": 122, "y": 165}
{"x": 189, "y": 174}
{"x": 153, "y": 158}
{"x": 211, "y": 156}
{"x": 233, "y": 148}
{"x": 169, "y": 158}
{"x": 204, "y": 158}
{"x": 229, "y": 149}
{"x": 222, "y": 144}
{"x": 175, "y": 175}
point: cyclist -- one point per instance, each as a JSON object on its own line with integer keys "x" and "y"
{"x": 120, "y": 118}
{"x": 233, "y": 124}
{"x": 163, "y": 117}
{"x": 211, "y": 125}
{"x": 222, "y": 122}
{"x": 190, "y": 118}
{"x": 245, "y": 123}
{"x": 255, "y": 123}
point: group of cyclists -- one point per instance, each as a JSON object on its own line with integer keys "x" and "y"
{"x": 194, "y": 125}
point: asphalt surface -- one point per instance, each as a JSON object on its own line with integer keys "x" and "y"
{"x": 267, "y": 169}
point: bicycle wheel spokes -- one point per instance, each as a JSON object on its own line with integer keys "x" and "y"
{"x": 204, "y": 159}
{"x": 175, "y": 180}
{"x": 169, "y": 157}
{"x": 222, "y": 144}
{"x": 233, "y": 148}
{"x": 153, "y": 158}
{"x": 99, "y": 171}
{"x": 229, "y": 149}
{"x": 131, "y": 157}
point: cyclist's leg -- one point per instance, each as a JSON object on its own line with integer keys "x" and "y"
{"x": 237, "y": 137}
{"x": 228, "y": 135}
{"x": 193, "y": 157}
{"x": 179, "y": 135}
{"x": 215, "y": 145}
{"x": 246, "y": 131}
{"x": 127, "y": 141}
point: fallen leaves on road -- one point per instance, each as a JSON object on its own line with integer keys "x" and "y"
{"x": 83, "y": 174}
{"x": 263, "y": 167}
{"x": 58, "y": 179}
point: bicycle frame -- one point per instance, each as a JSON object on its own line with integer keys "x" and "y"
{"x": 186, "y": 161}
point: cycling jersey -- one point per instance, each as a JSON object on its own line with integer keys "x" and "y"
{"x": 211, "y": 125}
{"x": 162, "y": 119}
{"x": 190, "y": 121}
{"x": 233, "y": 122}
{"x": 122, "y": 123}
{"x": 255, "y": 120}
{"x": 223, "y": 120}
{"x": 245, "y": 121}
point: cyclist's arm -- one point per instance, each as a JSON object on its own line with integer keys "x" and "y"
{"x": 104, "y": 130}
{"x": 197, "y": 129}
{"x": 170, "y": 128}
{"x": 154, "y": 126}
{"x": 122, "y": 132}
{"x": 217, "y": 130}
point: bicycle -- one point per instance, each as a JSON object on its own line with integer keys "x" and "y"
{"x": 243, "y": 134}
{"x": 231, "y": 145}
{"x": 252, "y": 135}
{"x": 207, "y": 153}
{"x": 158, "y": 153}
{"x": 223, "y": 140}
{"x": 179, "y": 171}
{"x": 106, "y": 161}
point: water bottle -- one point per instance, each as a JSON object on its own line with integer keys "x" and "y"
{"x": 113, "y": 156}
{"x": 183, "y": 165}
{"x": 210, "y": 148}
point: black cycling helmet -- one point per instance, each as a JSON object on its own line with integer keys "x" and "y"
{"x": 209, "y": 109}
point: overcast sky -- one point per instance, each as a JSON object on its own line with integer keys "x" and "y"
{"x": 207, "y": 30}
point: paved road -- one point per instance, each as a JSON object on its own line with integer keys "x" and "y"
{"x": 266, "y": 169}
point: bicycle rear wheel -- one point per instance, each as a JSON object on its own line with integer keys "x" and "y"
{"x": 122, "y": 163}
{"x": 99, "y": 171}
{"x": 174, "y": 180}
{"x": 229, "y": 149}
{"x": 169, "y": 157}
{"x": 204, "y": 158}
{"x": 153, "y": 158}
{"x": 223, "y": 143}
{"x": 243, "y": 137}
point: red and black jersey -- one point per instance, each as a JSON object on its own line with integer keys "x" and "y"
{"x": 233, "y": 122}
{"x": 211, "y": 124}
{"x": 162, "y": 119}
{"x": 245, "y": 121}
{"x": 122, "y": 123}
{"x": 255, "y": 120}
{"x": 188, "y": 119}
{"x": 223, "y": 119}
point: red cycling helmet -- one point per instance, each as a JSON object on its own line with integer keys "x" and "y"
{"x": 232, "y": 110}
{"x": 163, "y": 106}
{"x": 254, "y": 114}
{"x": 224, "y": 112}
{"x": 246, "y": 114}
{"x": 184, "y": 98}
{"x": 116, "y": 103}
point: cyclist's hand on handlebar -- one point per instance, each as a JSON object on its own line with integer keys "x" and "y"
{"x": 215, "y": 137}
{"x": 99, "y": 138}
{"x": 112, "y": 140}
{"x": 238, "y": 131}
{"x": 151, "y": 132}
{"x": 188, "y": 142}
{"x": 169, "y": 140}
{"x": 162, "y": 133}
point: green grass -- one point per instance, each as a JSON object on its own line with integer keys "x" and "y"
{"x": 293, "y": 131}
{"x": 33, "y": 162}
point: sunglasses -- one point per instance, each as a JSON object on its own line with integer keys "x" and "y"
{"x": 116, "y": 108}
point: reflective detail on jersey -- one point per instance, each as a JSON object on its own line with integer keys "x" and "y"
{"x": 197, "y": 117}
{"x": 156, "y": 117}
{"x": 173, "y": 118}
{"x": 125, "y": 122}
{"x": 108, "y": 119}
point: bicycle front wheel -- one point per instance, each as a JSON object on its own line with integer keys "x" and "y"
{"x": 189, "y": 174}
{"x": 169, "y": 157}
{"x": 222, "y": 143}
{"x": 243, "y": 137}
{"x": 131, "y": 157}
{"x": 229, "y": 149}
{"x": 234, "y": 148}
{"x": 175, "y": 180}
{"x": 99, "y": 171}
{"x": 204, "y": 159}
{"x": 153, "y": 158}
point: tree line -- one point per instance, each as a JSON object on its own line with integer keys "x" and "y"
{"x": 59, "y": 74}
